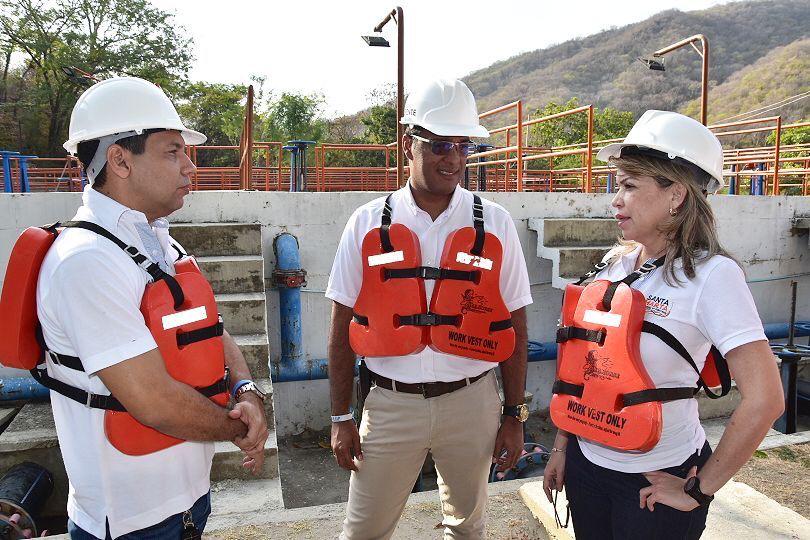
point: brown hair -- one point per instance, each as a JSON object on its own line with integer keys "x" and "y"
{"x": 691, "y": 233}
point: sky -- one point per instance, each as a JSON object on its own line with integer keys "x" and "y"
{"x": 315, "y": 46}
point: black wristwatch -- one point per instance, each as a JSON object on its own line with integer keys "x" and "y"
{"x": 519, "y": 412}
{"x": 692, "y": 488}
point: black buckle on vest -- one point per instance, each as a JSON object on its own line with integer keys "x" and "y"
{"x": 425, "y": 319}
{"x": 429, "y": 272}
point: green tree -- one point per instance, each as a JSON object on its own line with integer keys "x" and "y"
{"x": 294, "y": 116}
{"x": 102, "y": 37}
{"x": 608, "y": 123}
{"x": 381, "y": 125}
{"x": 800, "y": 135}
{"x": 218, "y": 111}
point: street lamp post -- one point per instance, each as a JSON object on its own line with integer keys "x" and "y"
{"x": 655, "y": 64}
{"x": 379, "y": 41}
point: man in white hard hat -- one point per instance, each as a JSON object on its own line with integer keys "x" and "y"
{"x": 131, "y": 142}
{"x": 427, "y": 399}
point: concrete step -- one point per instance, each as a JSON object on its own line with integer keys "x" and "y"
{"x": 213, "y": 239}
{"x": 243, "y": 313}
{"x": 231, "y": 274}
{"x": 571, "y": 256}
{"x": 579, "y": 232}
{"x": 802, "y": 225}
{"x": 256, "y": 350}
{"x": 227, "y": 462}
{"x": 266, "y": 386}
{"x": 576, "y": 261}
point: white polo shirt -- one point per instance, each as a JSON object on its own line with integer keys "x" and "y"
{"x": 715, "y": 307}
{"x": 347, "y": 273}
{"x": 88, "y": 302}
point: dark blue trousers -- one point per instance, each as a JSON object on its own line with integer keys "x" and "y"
{"x": 170, "y": 528}
{"x": 604, "y": 503}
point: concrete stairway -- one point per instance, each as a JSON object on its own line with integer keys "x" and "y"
{"x": 802, "y": 225}
{"x": 230, "y": 256}
{"x": 572, "y": 245}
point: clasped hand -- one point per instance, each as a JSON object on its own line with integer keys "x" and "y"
{"x": 251, "y": 412}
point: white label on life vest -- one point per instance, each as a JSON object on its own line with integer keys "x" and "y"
{"x": 184, "y": 317}
{"x": 602, "y": 317}
{"x": 474, "y": 260}
{"x": 386, "y": 258}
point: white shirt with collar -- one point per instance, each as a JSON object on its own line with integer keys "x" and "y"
{"x": 347, "y": 273}
{"x": 88, "y": 303}
{"x": 714, "y": 307}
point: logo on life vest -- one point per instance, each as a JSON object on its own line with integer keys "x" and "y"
{"x": 473, "y": 303}
{"x": 658, "y": 305}
{"x": 598, "y": 367}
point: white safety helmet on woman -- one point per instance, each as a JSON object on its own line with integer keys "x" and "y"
{"x": 446, "y": 108}
{"x": 121, "y": 107}
{"x": 675, "y": 136}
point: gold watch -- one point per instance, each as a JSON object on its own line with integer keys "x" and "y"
{"x": 519, "y": 412}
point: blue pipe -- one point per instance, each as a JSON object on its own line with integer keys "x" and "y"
{"x": 293, "y": 365}
{"x": 22, "y": 389}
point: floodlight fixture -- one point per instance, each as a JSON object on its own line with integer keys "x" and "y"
{"x": 654, "y": 63}
{"x": 376, "y": 41}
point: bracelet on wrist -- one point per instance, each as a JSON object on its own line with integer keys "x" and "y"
{"x": 343, "y": 417}
{"x": 560, "y": 450}
{"x": 238, "y": 385}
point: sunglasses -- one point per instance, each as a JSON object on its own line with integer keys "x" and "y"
{"x": 442, "y": 148}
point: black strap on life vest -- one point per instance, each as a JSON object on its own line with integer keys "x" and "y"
{"x": 429, "y": 272}
{"x": 429, "y": 319}
{"x": 478, "y": 224}
{"x": 385, "y": 237}
{"x": 108, "y": 402}
{"x": 642, "y": 271}
{"x": 720, "y": 362}
{"x": 565, "y": 333}
{"x": 140, "y": 259}
{"x": 201, "y": 334}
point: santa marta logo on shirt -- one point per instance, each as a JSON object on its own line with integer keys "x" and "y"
{"x": 658, "y": 305}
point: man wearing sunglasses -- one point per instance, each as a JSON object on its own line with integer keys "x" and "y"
{"x": 427, "y": 400}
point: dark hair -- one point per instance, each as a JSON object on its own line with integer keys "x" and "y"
{"x": 414, "y": 130}
{"x": 135, "y": 144}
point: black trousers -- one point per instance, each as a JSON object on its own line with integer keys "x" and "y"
{"x": 604, "y": 503}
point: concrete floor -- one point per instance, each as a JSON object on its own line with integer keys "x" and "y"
{"x": 310, "y": 476}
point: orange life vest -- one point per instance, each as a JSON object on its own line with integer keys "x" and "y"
{"x": 467, "y": 315}
{"x": 180, "y": 312}
{"x": 603, "y": 392}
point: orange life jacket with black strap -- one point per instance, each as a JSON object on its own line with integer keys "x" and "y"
{"x": 602, "y": 391}
{"x": 467, "y": 315}
{"x": 180, "y": 312}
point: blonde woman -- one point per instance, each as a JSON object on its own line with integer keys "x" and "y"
{"x": 696, "y": 292}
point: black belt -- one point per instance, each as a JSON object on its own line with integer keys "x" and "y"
{"x": 427, "y": 390}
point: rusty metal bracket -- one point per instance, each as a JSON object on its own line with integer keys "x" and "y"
{"x": 290, "y": 278}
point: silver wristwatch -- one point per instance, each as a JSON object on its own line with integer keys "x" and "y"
{"x": 249, "y": 387}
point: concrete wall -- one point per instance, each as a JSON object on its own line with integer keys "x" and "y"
{"x": 758, "y": 230}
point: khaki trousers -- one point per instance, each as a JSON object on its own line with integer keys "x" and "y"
{"x": 396, "y": 433}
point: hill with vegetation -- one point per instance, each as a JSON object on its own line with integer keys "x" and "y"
{"x": 758, "y": 55}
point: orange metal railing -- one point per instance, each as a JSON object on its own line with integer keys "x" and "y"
{"x": 512, "y": 165}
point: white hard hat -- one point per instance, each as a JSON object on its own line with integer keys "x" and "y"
{"x": 120, "y": 105}
{"x": 446, "y": 108}
{"x": 677, "y": 136}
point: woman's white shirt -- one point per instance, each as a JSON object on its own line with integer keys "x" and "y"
{"x": 714, "y": 307}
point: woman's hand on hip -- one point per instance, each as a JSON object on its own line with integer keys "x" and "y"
{"x": 667, "y": 489}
